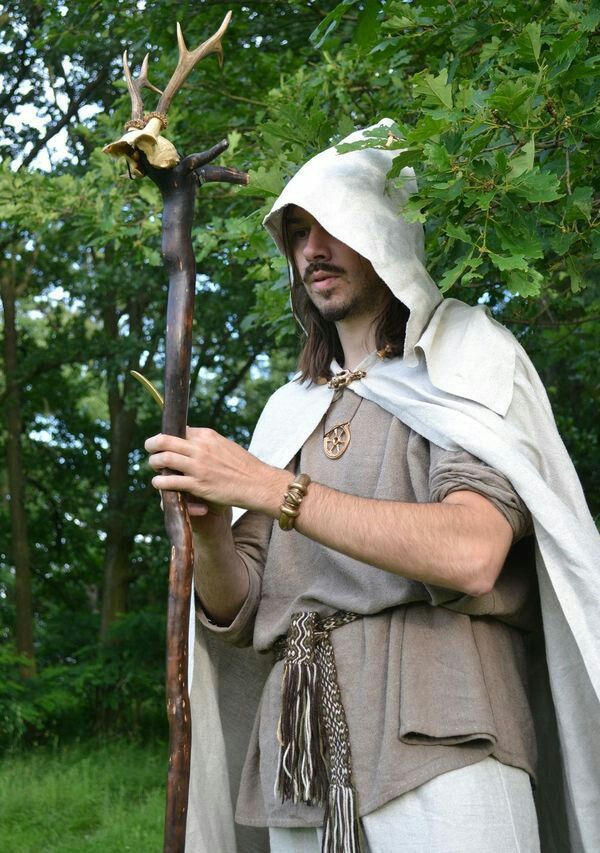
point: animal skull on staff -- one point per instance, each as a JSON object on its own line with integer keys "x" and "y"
{"x": 148, "y": 153}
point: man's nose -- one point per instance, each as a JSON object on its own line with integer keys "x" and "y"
{"x": 318, "y": 244}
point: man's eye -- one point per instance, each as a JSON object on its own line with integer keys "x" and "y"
{"x": 299, "y": 233}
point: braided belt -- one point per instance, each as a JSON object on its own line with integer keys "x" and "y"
{"x": 312, "y": 726}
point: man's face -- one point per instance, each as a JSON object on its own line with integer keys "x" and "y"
{"x": 339, "y": 282}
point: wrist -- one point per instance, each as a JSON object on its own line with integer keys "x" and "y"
{"x": 270, "y": 491}
{"x": 212, "y": 526}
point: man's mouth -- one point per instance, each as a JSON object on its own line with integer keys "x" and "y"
{"x": 322, "y": 276}
{"x": 319, "y": 270}
{"x": 323, "y": 281}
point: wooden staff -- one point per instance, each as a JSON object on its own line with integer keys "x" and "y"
{"x": 149, "y": 153}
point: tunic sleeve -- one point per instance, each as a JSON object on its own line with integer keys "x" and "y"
{"x": 453, "y": 471}
{"x": 514, "y": 596}
{"x": 251, "y": 534}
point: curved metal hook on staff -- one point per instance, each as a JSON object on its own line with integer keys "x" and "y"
{"x": 149, "y": 153}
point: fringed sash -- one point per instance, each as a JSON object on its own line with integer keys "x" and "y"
{"x": 315, "y": 763}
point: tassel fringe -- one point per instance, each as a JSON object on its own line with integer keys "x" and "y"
{"x": 312, "y": 725}
{"x": 301, "y": 769}
{"x": 341, "y": 833}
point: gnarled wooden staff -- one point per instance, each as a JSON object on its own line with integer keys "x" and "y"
{"x": 149, "y": 153}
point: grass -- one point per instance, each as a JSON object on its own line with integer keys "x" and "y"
{"x": 84, "y": 798}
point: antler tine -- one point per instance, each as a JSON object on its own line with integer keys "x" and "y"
{"x": 143, "y": 77}
{"x": 188, "y": 59}
{"x": 135, "y": 86}
{"x": 137, "y": 107}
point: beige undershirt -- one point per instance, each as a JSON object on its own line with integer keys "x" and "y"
{"x": 426, "y": 689}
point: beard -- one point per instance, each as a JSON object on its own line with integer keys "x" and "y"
{"x": 353, "y": 307}
{"x": 361, "y": 301}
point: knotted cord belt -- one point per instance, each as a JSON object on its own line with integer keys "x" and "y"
{"x": 312, "y": 726}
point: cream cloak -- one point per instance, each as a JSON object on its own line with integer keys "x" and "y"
{"x": 464, "y": 382}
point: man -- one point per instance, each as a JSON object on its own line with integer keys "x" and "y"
{"x": 373, "y": 492}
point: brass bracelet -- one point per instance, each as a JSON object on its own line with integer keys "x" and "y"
{"x": 290, "y": 508}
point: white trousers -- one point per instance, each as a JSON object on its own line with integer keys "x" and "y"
{"x": 484, "y": 808}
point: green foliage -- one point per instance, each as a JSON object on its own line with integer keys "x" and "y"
{"x": 82, "y": 261}
{"x": 90, "y": 797}
{"x": 494, "y": 106}
{"x": 500, "y": 131}
{"x": 115, "y": 688}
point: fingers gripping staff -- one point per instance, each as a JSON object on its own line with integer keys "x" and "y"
{"x": 209, "y": 468}
{"x": 149, "y": 153}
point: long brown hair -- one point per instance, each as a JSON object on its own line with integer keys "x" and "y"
{"x": 322, "y": 343}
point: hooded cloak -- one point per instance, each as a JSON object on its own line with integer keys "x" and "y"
{"x": 464, "y": 382}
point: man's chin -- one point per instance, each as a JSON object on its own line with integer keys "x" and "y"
{"x": 334, "y": 313}
{"x": 334, "y": 306}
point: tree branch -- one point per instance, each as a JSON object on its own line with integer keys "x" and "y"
{"x": 547, "y": 324}
{"x": 66, "y": 117}
{"x": 240, "y": 98}
{"x": 230, "y": 386}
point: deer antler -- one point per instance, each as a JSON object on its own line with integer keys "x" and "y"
{"x": 143, "y": 131}
{"x": 188, "y": 59}
{"x": 135, "y": 87}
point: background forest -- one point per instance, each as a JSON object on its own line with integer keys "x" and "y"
{"x": 495, "y": 104}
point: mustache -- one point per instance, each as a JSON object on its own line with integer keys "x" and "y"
{"x": 320, "y": 266}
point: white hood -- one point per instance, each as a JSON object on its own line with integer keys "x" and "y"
{"x": 470, "y": 356}
{"x": 349, "y": 195}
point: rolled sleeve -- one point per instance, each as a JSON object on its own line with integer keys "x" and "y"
{"x": 454, "y": 471}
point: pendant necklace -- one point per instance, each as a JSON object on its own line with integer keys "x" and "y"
{"x": 337, "y": 440}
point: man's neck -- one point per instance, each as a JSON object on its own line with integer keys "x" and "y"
{"x": 357, "y": 337}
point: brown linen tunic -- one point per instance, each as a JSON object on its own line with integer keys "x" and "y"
{"x": 426, "y": 689}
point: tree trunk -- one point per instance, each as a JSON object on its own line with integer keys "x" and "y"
{"x": 16, "y": 484}
{"x": 119, "y": 536}
{"x": 123, "y": 514}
